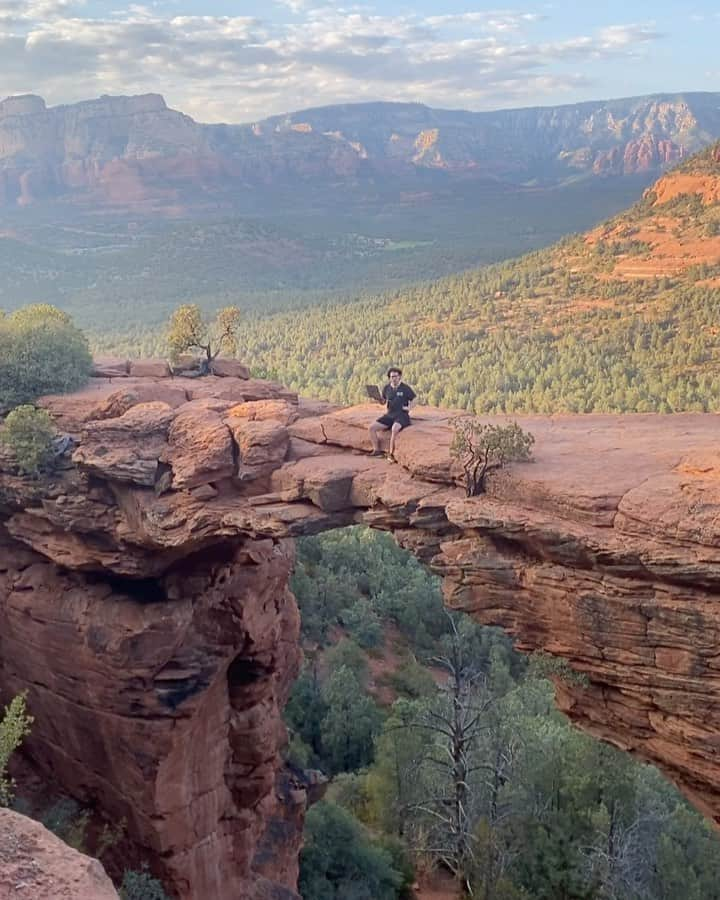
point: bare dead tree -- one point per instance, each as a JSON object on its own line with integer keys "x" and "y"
{"x": 457, "y": 722}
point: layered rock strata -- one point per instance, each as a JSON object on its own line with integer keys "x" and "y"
{"x": 144, "y": 601}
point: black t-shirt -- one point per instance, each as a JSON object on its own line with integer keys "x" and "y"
{"x": 398, "y": 397}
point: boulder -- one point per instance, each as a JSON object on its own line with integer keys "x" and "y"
{"x": 37, "y": 865}
{"x": 128, "y": 447}
{"x": 326, "y": 481}
{"x": 262, "y": 446}
{"x": 238, "y": 389}
{"x": 308, "y": 408}
{"x": 133, "y": 393}
{"x": 230, "y": 368}
{"x": 110, "y": 367}
{"x": 200, "y": 449}
{"x": 261, "y": 410}
{"x": 149, "y": 368}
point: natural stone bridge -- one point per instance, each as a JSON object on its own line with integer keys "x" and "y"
{"x": 144, "y": 601}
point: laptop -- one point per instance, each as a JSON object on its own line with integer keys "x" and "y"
{"x": 373, "y": 392}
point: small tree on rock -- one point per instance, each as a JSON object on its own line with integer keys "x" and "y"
{"x": 14, "y": 726}
{"x": 482, "y": 447}
{"x": 28, "y": 433}
{"x": 188, "y": 331}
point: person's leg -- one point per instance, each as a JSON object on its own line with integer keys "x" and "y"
{"x": 394, "y": 432}
{"x": 375, "y": 430}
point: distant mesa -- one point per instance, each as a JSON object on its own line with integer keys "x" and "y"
{"x": 91, "y": 152}
{"x": 22, "y": 105}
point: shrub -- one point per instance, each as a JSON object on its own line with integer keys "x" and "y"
{"x": 480, "y": 448}
{"x": 41, "y": 352}
{"x": 141, "y": 886}
{"x": 545, "y": 665}
{"x": 363, "y": 623}
{"x": 28, "y": 433}
{"x": 340, "y": 860}
{"x": 15, "y": 725}
{"x": 412, "y": 680}
{"x": 69, "y": 821}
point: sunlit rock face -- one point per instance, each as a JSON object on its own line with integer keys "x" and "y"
{"x": 144, "y": 601}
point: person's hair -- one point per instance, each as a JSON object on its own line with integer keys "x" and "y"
{"x": 393, "y": 369}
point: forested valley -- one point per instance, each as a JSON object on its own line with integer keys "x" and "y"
{"x": 286, "y": 249}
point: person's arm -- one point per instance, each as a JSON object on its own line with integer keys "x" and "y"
{"x": 412, "y": 399}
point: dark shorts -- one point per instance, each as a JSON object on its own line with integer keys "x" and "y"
{"x": 403, "y": 420}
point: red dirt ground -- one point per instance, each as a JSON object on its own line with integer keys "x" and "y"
{"x": 436, "y": 886}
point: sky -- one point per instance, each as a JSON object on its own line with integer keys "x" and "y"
{"x": 223, "y": 61}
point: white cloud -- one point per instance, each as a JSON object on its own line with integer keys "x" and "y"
{"x": 32, "y": 10}
{"x": 238, "y": 68}
{"x": 499, "y": 20}
{"x": 622, "y": 36}
{"x": 295, "y": 6}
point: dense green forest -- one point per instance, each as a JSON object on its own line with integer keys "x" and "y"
{"x": 551, "y": 814}
{"x": 514, "y": 337}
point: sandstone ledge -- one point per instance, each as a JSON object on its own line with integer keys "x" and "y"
{"x": 161, "y": 558}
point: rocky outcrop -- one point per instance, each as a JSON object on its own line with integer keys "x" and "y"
{"x": 144, "y": 601}
{"x": 646, "y": 154}
{"x": 135, "y": 153}
{"x": 705, "y": 186}
{"x": 36, "y": 865}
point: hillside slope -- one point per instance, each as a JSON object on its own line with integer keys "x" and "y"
{"x": 622, "y": 318}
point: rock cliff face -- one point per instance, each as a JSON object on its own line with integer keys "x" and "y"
{"x": 135, "y": 152}
{"x": 144, "y": 601}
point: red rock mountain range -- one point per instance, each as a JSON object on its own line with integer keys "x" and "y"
{"x": 117, "y": 151}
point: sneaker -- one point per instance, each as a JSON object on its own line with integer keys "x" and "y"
{"x": 390, "y": 458}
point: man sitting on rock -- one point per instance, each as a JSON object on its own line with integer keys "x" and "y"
{"x": 398, "y": 398}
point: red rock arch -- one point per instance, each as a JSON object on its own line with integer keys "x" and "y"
{"x": 605, "y": 551}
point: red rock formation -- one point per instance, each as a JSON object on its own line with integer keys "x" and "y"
{"x": 133, "y": 153}
{"x": 144, "y": 601}
{"x": 162, "y": 699}
{"x": 645, "y": 154}
{"x": 36, "y": 865}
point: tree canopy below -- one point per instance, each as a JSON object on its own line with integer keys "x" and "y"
{"x": 548, "y": 811}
